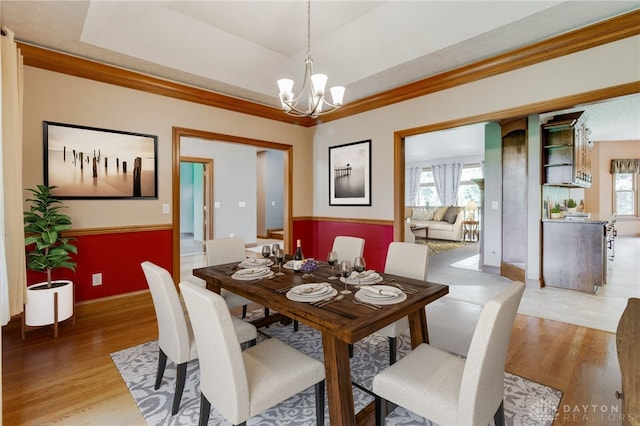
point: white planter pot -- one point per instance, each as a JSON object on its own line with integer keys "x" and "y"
{"x": 556, "y": 215}
{"x": 39, "y": 309}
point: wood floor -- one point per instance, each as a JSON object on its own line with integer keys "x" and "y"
{"x": 71, "y": 380}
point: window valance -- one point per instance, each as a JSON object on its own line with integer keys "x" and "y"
{"x": 625, "y": 165}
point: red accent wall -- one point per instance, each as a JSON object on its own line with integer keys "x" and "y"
{"x": 317, "y": 238}
{"x": 117, "y": 256}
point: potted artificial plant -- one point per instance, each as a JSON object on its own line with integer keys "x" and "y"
{"x": 52, "y": 301}
{"x": 556, "y": 212}
{"x": 571, "y": 205}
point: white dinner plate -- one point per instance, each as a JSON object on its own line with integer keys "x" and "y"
{"x": 252, "y": 273}
{"x": 312, "y": 289}
{"x": 291, "y": 265}
{"x": 379, "y": 299}
{"x": 305, "y": 298}
{"x": 251, "y": 262}
{"x": 363, "y": 281}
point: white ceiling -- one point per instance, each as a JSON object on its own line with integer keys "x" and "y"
{"x": 240, "y": 48}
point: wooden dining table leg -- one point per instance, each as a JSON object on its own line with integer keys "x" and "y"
{"x": 418, "y": 327}
{"x": 338, "y": 381}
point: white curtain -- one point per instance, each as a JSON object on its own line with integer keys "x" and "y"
{"x": 12, "y": 254}
{"x": 412, "y": 185}
{"x": 447, "y": 179}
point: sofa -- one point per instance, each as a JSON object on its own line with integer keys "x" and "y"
{"x": 445, "y": 223}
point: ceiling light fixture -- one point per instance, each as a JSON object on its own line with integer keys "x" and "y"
{"x": 312, "y": 88}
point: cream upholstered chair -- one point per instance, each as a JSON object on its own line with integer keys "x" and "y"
{"x": 348, "y": 248}
{"x": 448, "y": 389}
{"x": 228, "y": 250}
{"x": 255, "y": 379}
{"x": 406, "y": 260}
{"x": 175, "y": 338}
{"x": 409, "y": 236}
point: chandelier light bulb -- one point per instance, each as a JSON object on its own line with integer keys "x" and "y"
{"x": 337, "y": 94}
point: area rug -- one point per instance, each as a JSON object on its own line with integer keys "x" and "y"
{"x": 440, "y": 246}
{"x": 526, "y": 402}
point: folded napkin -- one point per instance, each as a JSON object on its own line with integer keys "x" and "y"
{"x": 254, "y": 261}
{"x": 251, "y": 271}
{"x": 364, "y": 274}
{"x": 310, "y": 289}
{"x": 378, "y": 291}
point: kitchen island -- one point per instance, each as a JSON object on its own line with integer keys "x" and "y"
{"x": 574, "y": 252}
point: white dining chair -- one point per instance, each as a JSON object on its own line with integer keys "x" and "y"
{"x": 410, "y": 261}
{"x": 448, "y": 389}
{"x": 221, "y": 251}
{"x": 255, "y": 379}
{"x": 348, "y": 248}
{"x": 175, "y": 337}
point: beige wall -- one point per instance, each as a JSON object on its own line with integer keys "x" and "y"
{"x": 50, "y": 96}
{"x": 56, "y": 97}
{"x": 604, "y": 66}
{"x": 599, "y": 198}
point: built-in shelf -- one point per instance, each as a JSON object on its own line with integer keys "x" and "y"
{"x": 566, "y": 151}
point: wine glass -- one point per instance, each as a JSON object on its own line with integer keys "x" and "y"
{"x": 359, "y": 265}
{"x": 332, "y": 259}
{"x": 279, "y": 255}
{"x": 345, "y": 271}
{"x": 266, "y": 251}
{"x": 274, "y": 247}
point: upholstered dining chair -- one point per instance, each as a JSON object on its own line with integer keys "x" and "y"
{"x": 348, "y": 248}
{"x": 406, "y": 260}
{"x": 255, "y": 379}
{"x": 228, "y": 250}
{"x": 175, "y": 338}
{"x": 454, "y": 390}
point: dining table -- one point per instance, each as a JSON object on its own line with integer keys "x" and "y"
{"x": 342, "y": 322}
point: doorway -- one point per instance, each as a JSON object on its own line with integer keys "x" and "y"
{"x": 229, "y": 184}
{"x": 196, "y": 214}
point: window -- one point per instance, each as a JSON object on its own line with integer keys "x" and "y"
{"x": 468, "y": 190}
{"x": 625, "y": 194}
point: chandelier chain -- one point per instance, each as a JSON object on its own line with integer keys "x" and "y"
{"x": 309, "y": 28}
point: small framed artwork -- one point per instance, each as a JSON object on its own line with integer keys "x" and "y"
{"x": 350, "y": 174}
{"x": 92, "y": 163}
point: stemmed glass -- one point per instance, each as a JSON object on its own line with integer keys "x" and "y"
{"x": 359, "y": 265}
{"x": 266, "y": 251}
{"x": 279, "y": 255}
{"x": 345, "y": 271}
{"x": 274, "y": 247}
{"x": 332, "y": 259}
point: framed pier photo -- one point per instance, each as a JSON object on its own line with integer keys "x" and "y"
{"x": 350, "y": 174}
{"x": 91, "y": 163}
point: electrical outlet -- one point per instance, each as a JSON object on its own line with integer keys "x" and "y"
{"x": 96, "y": 279}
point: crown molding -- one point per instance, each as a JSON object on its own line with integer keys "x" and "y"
{"x": 608, "y": 31}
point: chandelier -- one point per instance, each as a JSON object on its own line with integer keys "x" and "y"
{"x": 313, "y": 88}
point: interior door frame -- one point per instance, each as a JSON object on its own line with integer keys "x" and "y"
{"x": 180, "y": 132}
{"x": 208, "y": 191}
{"x": 497, "y": 116}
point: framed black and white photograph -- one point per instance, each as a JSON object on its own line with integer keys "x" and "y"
{"x": 91, "y": 163}
{"x": 350, "y": 174}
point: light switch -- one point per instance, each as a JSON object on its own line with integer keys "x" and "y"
{"x": 242, "y": 204}
{"x": 273, "y": 204}
{"x": 165, "y": 208}
{"x": 494, "y": 205}
{"x": 216, "y": 205}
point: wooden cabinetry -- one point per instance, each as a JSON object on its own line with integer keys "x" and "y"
{"x": 574, "y": 254}
{"x": 566, "y": 151}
